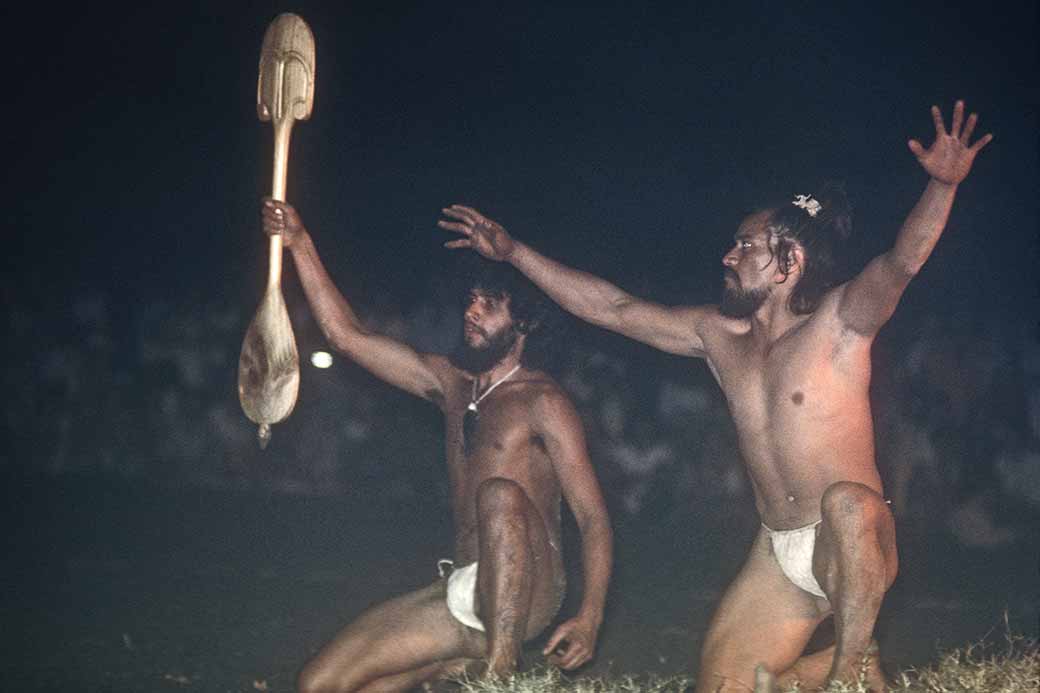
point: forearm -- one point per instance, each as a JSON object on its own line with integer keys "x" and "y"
{"x": 923, "y": 227}
{"x": 580, "y": 293}
{"x": 334, "y": 315}
{"x": 597, "y": 545}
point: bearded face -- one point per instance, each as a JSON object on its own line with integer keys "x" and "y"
{"x": 481, "y": 350}
{"x": 738, "y": 302}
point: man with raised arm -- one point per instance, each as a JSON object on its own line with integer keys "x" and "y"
{"x": 790, "y": 348}
{"x": 514, "y": 445}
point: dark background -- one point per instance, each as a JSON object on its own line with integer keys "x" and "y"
{"x": 596, "y": 132}
{"x": 154, "y": 547}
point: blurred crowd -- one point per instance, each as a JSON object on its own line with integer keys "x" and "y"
{"x": 95, "y": 388}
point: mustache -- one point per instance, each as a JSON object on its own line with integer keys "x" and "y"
{"x": 732, "y": 275}
{"x": 475, "y": 327}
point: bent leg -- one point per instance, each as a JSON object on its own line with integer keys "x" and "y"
{"x": 392, "y": 647}
{"x": 855, "y": 563}
{"x": 519, "y": 574}
{"x": 811, "y": 671}
{"x": 425, "y": 676}
{"x": 763, "y": 619}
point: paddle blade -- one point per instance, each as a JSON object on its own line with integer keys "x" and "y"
{"x": 269, "y": 365}
{"x": 285, "y": 89}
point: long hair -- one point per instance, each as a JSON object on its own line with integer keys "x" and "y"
{"x": 822, "y": 237}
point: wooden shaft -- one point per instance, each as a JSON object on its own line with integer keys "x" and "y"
{"x": 282, "y": 131}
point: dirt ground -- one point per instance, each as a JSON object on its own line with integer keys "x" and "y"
{"x": 113, "y": 585}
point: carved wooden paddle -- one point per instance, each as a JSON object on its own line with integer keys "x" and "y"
{"x": 269, "y": 365}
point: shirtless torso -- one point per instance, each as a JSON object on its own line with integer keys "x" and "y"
{"x": 796, "y": 383}
{"x": 509, "y": 470}
{"x": 507, "y": 444}
{"x": 801, "y": 407}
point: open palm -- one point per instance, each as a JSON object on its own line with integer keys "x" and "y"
{"x": 950, "y": 157}
{"x": 483, "y": 235}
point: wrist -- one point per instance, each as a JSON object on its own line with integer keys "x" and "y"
{"x": 517, "y": 254}
{"x": 943, "y": 185}
{"x": 591, "y": 616}
{"x": 300, "y": 240}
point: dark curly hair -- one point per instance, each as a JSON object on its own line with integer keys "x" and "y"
{"x": 534, "y": 314}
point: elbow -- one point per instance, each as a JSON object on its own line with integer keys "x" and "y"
{"x": 906, "y": 268}
{"x": 611, "y": 312}
{"x": 342, "y": 341}
{"x": 596, "y": 527}
{"x": 909, "y": 270}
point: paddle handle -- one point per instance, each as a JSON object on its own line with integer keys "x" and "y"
{"x": 282, "y": 132}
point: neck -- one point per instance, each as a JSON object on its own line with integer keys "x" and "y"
{"x": 498, "y": 371}
{"x": 774, "y": 318}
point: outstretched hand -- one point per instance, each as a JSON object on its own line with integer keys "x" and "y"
{"x": 950, "y": 157}
{"x": 483, "y": 235}
{"x": 572, "y": 644}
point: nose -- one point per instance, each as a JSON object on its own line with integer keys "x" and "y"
{"x": 730, "y": 258}
{"x": 472, "y": 313}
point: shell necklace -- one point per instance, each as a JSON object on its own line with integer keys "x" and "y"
{"x": 474, "y": 400}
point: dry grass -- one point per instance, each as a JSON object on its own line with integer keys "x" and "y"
{"x": 1011, "y": 667}
{"x": 978, "y": 667}
{"x": 550, "y": 680}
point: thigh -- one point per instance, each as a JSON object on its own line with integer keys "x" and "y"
{"x": 762, "y": 619}
{"x": 548, "y": 579}
{"x": 401, "y": 635}
{"x": 863, "y": 534}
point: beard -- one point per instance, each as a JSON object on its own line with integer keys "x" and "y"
{"x": 742, "y": 303}
{"x": 480, "y": 359}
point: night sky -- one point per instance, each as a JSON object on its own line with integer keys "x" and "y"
{"x": 625, "y": 139}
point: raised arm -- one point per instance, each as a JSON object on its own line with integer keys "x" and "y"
{"x": 574, "y": 642}
{"x": 868, "y": 301}
{"x": 671, "y": 329}
{"x": 388, "y": 359}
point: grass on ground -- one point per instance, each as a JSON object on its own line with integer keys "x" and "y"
{"x": 1011, "y": 667}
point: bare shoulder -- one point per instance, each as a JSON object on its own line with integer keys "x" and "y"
{"x": 848, "y": 348}
{"x": 555, "y": 421}
{"x": 452, "y": 380}
{"x": 546, "y": 398}
{"x": 717, "y": 331}
{"x": 827, "y": 316}
{"x": 439, "y": 363}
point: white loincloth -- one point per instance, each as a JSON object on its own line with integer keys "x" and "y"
{"x": 462, "y": 594}
{"x": 793, "y": 549}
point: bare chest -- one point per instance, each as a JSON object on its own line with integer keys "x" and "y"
{"x": 806, "y": 374}
{"x": 496, "y": 441}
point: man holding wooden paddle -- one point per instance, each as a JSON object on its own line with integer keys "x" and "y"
{"x": 515, "y": 447}
{"x": 790, "y": 347}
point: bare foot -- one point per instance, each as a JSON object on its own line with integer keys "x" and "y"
{"x": 869, "y": 671}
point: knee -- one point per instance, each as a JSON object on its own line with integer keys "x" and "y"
{"x": 317, "y": 679}
{"x": 847, "y": 502}
{"x": 497, "y": 495}
{"x": 311, "y": 680}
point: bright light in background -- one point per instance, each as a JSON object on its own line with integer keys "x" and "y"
{"x": 321, "y": 359}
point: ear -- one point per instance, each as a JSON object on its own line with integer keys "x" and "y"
{"x": 795, "y": 262}
{"x": 526, "y": 327}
